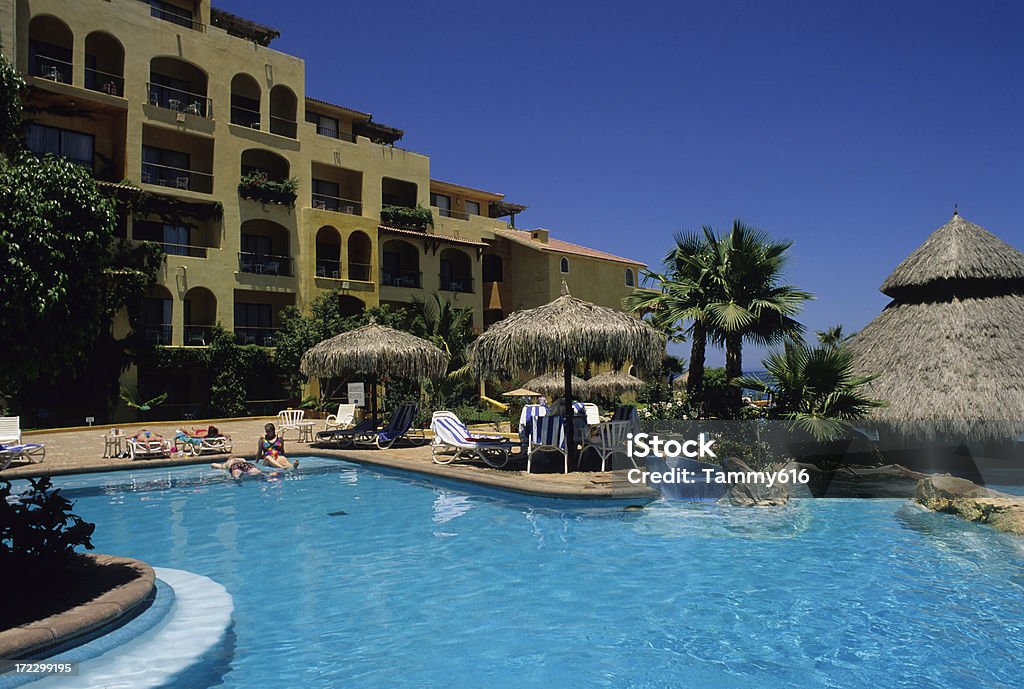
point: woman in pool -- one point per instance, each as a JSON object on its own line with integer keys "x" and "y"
{"x": 238, "y": 467}
{"x": 271, "y": 449}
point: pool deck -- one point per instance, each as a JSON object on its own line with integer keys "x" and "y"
{"x": 80, "y": 451}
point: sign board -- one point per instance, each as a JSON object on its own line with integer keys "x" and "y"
{"x": 90, "y": 419}
{"x": 357, "y": 394}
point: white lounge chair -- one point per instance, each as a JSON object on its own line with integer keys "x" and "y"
{"x": 610, "y": 439}
{"x": 198, "y": 444}
{"x": 11, "y": 447}
{"x": 345, "y": 417}
{"x": 453, "y": 440}
{"x": 148, "y": 447}
{"x": 546, "y": 434}
{"x": 288, "y": 420}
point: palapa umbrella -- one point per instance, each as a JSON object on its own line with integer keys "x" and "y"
{"x": 561, "y": 333}
{"x": 613, "y": 383}
{"x": 947, "y": 350}
{"x": 521, "y": 392}
{"x": 376, "y": 350}
{"x": 553, "y": 385}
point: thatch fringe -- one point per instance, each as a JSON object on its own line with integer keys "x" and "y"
{"x": 613, "y": 383}
{"x": 552, "y": 385}
{"x": 376, "y": 349}
{"x": 541, "y": 339}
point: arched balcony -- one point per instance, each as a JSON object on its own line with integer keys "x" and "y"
{"x": 400, "y": 264}
{"x": 50, "y": 49}
{"x": 178, "y": 85}
{"x": 456, "y": 271}
{"x": 328, "y": 252}
{"x": 200, "y": 316}
{"x": 284, "y": 110}
{"x": 245, "y": 101}
{"x": 359, "y": 248}
{"x": 265, "y": 249}
{"x": 155, "y": 318}
{"x": 104, "y": 63}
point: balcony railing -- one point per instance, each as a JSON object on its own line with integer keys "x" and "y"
{"x": 449, "y": 213}
{"x": 245, "y": 117}
{"x": 177, "y": 178}
{"x": 284, "y": 127}
{"x": 337, "y": 204}
{"x": 198, "y": 335}
{"x": 402, "y": 278}
{"x": 105, "y": 82}
{"x": 179, "y": 18}
{"x": 326, "y": 268}
{"x": 264, "y": 264}
{"x": 261, "y": 336}
{"x": 359, "y": 271}
{"x": 158, "y": 334}
{"x": 51, "y": 68}
{"x": 179, "y": 101}
{"x": 183, "y": 250}
{"x": 454, "y": 283}
{"x": 335, "y": 133}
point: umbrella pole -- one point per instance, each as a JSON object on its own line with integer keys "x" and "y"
{"x": 570, "y": 420}
{"x": 373, "y": 399}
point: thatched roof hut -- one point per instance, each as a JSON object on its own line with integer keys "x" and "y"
{"x": 376, "y": 349}
{"x": 613, "y": 383}
{"x": 552, "y": 385}
{"x": 948, "y": 349}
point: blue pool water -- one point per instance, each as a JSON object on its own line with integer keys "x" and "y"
{"x": 415, "y": 584}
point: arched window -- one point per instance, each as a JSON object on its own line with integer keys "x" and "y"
{"x": 245, "y": 101}
{"x": 283, "y": 111}
{"x": 630, "y": 282}
{"x": 456, "y": 271}
{"x": 359, "y": 247}
{"x": 104, "y": 64}
{"x": 178, "y": 85}
{"x": 50, "y": 48}
{"x": 200, "y": 316}
{"x": 564, "y": 265}
{"x": 400, "y": 264}
{"x": 328, "y": 252}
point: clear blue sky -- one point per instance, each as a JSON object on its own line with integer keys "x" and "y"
{"x": 850, "y": 128}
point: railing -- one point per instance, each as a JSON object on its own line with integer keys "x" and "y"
{"x": 173, "y": 17}
{"x": 359, "y": 271}
{"x": 402, "y": 278}
{"x": 264, "y": 264}
{"x": 449, "y": 213}
{"x": 245, "y": 117}
{"x": 158, "y": 334}
{"x": 337, "y": 204}
{"x": 198, "y": 335}
{"x": 326, "y": 268}
{"x": 105, "y": 82}
{"x": 453, "y": 283}
{"x": 335, "y": 133}
{"x": 261, "y": 336}
{"x": 51, "y": 68}
{"x": 283, "y": 127}
{"x": 179, "y": 101}
{"x": 177, "y": 178}
{"x": 183, "y": 250}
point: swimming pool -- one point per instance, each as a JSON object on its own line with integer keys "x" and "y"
{"x": 350, "y": 577}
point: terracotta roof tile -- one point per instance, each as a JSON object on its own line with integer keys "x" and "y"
{"x": 441, "y": 237}
{"x": 563, "y": 247}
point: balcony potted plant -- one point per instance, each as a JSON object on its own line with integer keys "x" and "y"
{"x": 403, "y": 218}
{"x": 259, "y": 187}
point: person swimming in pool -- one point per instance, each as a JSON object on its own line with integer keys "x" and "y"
{"x": 238, "y": 467}
{"x": 271, "y": 449}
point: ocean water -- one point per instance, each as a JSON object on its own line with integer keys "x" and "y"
{"x": 349, "y": 577}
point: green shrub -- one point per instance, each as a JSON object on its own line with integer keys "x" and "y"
{"x": 418, "y": 218}
{"x": 38, "y": 531}
{"x": 259, "y": 187}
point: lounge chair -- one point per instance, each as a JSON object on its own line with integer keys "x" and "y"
{"x": 610, "y": 439}
{"x": 195, "y": 445}
{"x": 345, "y": 437}
{"x": 546, "y": 434}
{"x": 11, "y": 447}
{"x": 345, "y": 417}
{"x": 453, "y": 441}
{"x": 150, "y": 446}
{"x": 398, "y": 427}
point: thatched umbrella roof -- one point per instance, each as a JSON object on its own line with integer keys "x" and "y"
{"x": 541, "y": 339}
{"x": 948, "y": 348}
{"x": 521, "y": 392}
{"x": 374, "y": 349}
{"x": 553, "y": 385}
{"x": 613, "y": 383}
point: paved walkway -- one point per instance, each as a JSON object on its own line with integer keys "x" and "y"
{"x": 76, "y": 451}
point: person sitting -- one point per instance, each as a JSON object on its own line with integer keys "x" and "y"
{"x": 237, "y": 467}
{"x": 271, "y": 449}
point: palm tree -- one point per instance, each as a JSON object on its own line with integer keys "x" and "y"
{"x": 749, "y": 303}
{"x": 450, "y": 328}
{"x": 814, "y": 388}
{"x": 684, "y": 294}
{"x": 833, "y": 336}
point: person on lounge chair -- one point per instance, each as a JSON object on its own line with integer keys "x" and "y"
{"x": 238, "y": 467}
{"x": 271, "y": 449}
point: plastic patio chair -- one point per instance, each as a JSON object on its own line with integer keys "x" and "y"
{"x": 288, "y": 420}
{"x": 345, "y": 417}
{"x": 610, "y": 439}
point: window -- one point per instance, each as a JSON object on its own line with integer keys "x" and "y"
{"x": 443, "y": 203}
{"x": 156, "y": 320}
{"x": 176, "y": 239}
{"x": 253, "y": 316}
{"x": 326, "y": 195}
{"x": 165, "y": 167}
{"x": 327, "y": 126}
{"x": 629, "y": 277}
{"x": 171, "y": 13}
{"x": 49, "y": 61}
{"x": 257, "y": 245}
{"x": 74, "y": 146}
{"x": 472, "y": 208}
{"x": 563, "y": 265}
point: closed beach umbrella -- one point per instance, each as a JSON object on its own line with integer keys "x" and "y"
{"x": 377, "y": 350}
{"x": 947, "y": 348}
{"x": 552, "y": 385}
{"x": 561, "y": 333}
{"x": 613, "y": 383}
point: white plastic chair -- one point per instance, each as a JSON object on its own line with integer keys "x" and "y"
{"x": 345, "y": 417}
{"x": 611, "y": 439}
{"x": 10, "y": 430}
{"x": 289, "y": 420}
